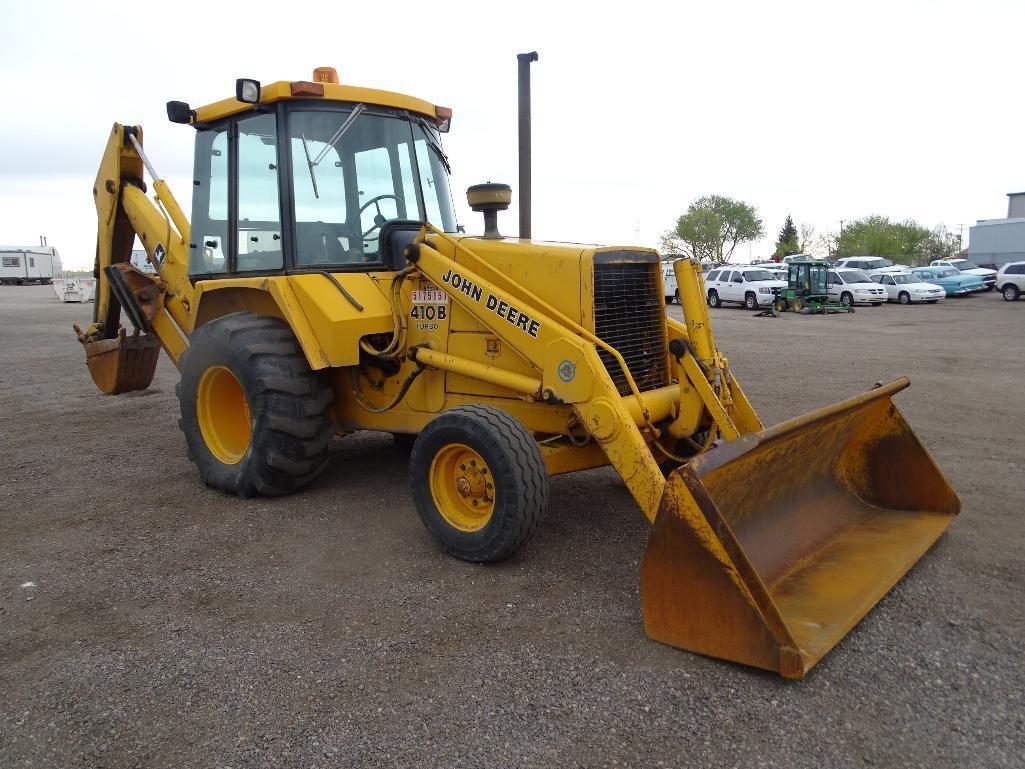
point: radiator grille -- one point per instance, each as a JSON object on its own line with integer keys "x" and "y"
{"x": 628, "y": 316}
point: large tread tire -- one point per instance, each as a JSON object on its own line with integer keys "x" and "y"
{"x": 522, "y": 486}
{"x": 288, "y": 405}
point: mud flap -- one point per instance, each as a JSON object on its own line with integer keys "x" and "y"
{"x": 768, "y": 549}
{"x": 124, "y": 363}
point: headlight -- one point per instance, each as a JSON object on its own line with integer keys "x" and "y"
{"x": 764, "y": 290}
{"x": 861, "y": 291}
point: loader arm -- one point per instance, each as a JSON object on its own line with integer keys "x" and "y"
{"x": 159, "y": 307}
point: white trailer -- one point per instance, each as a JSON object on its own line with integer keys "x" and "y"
{"x": 29, "y": 264}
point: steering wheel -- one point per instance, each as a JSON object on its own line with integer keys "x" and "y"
{"x": 380, "y": 218}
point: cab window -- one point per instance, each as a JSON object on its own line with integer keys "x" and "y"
{"x": 433, "y": 168}
{"x": 208, "y": 246}
{"x": 349, "y": 178}
{"x": 259, "y": 212}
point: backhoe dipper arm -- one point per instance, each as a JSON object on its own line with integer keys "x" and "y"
{"x": 159, "y": 307}
{"x": 124, "y": 211}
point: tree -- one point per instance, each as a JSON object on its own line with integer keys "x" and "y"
{"x": 712, "y": 227}
{"x": 878, "y": 236}
{"x": 787, "y": 242}
{"x": 807, "y": 240}
{"x": 940, "y": 244}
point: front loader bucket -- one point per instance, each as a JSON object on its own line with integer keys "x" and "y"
{"x": 124, "y": 363}
{"x": 768, "y": 549}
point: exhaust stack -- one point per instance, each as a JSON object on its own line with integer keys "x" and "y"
{"x": 524, "y": 60}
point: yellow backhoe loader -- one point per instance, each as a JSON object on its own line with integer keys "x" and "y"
{"x": 322, "y": 286}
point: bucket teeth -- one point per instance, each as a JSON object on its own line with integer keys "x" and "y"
{"x": 767, "y": 550}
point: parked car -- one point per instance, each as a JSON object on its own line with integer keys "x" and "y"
{"x": 907, "y": 288}
{"x": 1011, "y": 280}
{"x": 669, "y": 281}
{"x": 870, "y": 265}
{"x": 952, "y": 281}
{"x": 989, "y": 277}
{"x": 854, "y": 287}
{"x": 750, "y": 286}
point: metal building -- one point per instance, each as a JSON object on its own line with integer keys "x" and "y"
{"x": 993, "y": 242}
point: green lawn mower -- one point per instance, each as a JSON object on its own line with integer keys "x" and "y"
{"x": 807, "y": 290}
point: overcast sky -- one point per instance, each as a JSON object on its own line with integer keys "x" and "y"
{"x": 823, "y": 110}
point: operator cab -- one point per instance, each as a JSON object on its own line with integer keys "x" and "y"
{"x": 306, "y": 176}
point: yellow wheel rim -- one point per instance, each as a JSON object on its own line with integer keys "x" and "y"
{"x": 223, "y": 415}
{"x": 463, "y": 487}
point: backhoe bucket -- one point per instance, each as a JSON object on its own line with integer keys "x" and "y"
{"x": 124, "y": 363}
{"x": 768, "y": 549}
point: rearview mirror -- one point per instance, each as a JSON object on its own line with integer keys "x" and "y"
{"x": 179, "y": 112}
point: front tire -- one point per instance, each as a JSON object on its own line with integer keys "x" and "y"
{"x": 751, "y": 301}
{"x": 1011, "y": 293}
{"x": 479, "y": 482}
{"x": 847, "y": 299}
{"x": 254, "y": 415}
{"x": 904, "y": 297}
{"x": 713, "y": 299}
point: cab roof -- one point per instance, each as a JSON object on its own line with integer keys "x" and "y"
{"x": 284, "y": 90}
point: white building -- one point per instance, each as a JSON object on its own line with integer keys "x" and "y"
{"x": 993, "y": 242}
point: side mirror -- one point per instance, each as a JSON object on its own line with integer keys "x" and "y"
{"x": 247, "y": 90}
{"x": 180, "y": 112}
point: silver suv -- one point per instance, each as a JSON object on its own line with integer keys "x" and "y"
{"x": 1010, "y": 280}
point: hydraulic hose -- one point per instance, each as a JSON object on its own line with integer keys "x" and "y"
{"x": 362, "y": 399}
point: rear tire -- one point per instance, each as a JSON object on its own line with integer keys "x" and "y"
{"x": 713, "y": 299}
{"x": 904, "y": 297}
{"x": 479, "y": 482}
{"x": 669, "y": 299}
{"x": 751, "y": 301}
{"x": 254, "y": 415}
{"x": 1010, "y": 293}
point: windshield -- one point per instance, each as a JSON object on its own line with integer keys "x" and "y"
{"x": 855, "y": 276}
{"x": 902, "y": 279}
{"x": 352, "y": 173}
{"x": 879, "y": 263}
{"x": 755, "y": 275}
{"x": 964, "y": 264}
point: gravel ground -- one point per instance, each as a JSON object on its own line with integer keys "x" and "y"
{"x": 170, "y": 625}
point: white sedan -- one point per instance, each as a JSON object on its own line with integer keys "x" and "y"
{"x": 908, "y": 288}
{"x": 854, "y": 287}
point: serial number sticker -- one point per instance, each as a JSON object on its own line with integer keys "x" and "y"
{"x": 430, "y": 296}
